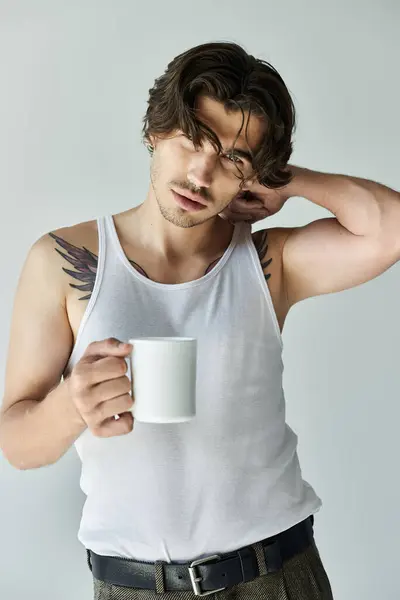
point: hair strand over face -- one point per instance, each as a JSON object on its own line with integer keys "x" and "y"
{"x": 225, "y": 72}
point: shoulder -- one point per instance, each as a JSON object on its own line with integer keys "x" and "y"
{"x": 271, "y": 240}
{"x": 80, "y": 235}
{"x": 269, "y": 244}
{"x": 72, "y": 238}
{"x": 48, "y": 252}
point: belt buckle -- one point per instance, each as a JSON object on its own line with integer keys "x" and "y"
{"x": 196, "y": 580}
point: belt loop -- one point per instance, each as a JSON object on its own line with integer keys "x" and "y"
{"x": 258, "y": 549}
{"x": 159, "y": 573}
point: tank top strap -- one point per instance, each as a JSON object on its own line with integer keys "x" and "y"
{"x": 102, "y": 235}
{"x": 109, "y": 242}
{"x": 105, "y": 224}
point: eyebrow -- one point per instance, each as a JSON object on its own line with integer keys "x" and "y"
{"x": 238, "y": 151}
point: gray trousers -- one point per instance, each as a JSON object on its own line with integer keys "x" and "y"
{"x": 302, "y": 577}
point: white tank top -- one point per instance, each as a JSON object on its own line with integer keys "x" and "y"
{"x": 231, "y": 476}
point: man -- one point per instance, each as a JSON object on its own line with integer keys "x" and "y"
{"x": 226, "y": 488}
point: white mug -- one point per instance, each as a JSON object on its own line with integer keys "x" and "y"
{"x": 164, "y": 379}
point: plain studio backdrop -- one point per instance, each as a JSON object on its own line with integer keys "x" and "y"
{"x": 74, "y": 83}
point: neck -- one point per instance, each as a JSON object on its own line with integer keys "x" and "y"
{"x": 172, "y": 242}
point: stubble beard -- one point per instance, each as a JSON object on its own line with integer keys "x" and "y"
{"x": 180, "y": 219}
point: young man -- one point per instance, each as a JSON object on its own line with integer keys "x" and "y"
{"x": 226, "y": 488}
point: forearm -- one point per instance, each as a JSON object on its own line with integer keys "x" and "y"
{"x": 37, "y": 433}
{"x": 362, "y": 206}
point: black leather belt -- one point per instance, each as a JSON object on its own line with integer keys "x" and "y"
{"x": 210, "y": 574}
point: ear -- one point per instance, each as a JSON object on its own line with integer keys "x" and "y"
{"x": 151, "y": 144}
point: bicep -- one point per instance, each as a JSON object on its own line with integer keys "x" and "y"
{"x": 323, "y": 257}
{"x": 40, "y": 338}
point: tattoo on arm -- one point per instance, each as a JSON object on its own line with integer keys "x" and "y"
{"x": 85, "y": 264}
{"x": 261, "y": 244}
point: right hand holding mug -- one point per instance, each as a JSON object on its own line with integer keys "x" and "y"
{"x": 100, "y": 388}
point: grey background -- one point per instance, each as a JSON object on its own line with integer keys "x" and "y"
{"x": 74, "y": 81}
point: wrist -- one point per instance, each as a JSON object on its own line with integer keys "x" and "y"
{"x": 74, "y": 416}
{"x": 292, "y": 188}
{"x": 301, "y": 181}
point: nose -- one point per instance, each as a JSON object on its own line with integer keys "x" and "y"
{"x": 201, "y": 169}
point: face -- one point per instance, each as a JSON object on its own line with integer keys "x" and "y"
{"x": 211, "y": 180}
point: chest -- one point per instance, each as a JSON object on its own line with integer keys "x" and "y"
{"x": 181, "y": 273}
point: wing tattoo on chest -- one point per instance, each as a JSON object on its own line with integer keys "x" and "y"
{"x": 85, "y": 262}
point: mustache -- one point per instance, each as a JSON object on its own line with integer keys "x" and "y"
{"x": 204, "y": 193}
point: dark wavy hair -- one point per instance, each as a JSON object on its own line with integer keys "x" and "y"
{"x": 225, "y": 72}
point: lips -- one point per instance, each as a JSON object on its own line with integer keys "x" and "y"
{"x": 191, "y": 196}
{"x": 186, "y": 203}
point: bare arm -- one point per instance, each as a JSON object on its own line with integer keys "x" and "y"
{"x": 33, "y": 433}
{"x": 337, "y": 253}
{"x": 41, "y": 415}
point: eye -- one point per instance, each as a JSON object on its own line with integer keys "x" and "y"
{"x": 233, "y": 158}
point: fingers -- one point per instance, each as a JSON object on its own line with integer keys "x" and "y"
{"x": 103, "y": 369}
{"x": 112, "y": 388}
{"x": 243, "y": 204}
{"x": 251, "y": 217}
{"x": 112, "y": 427}
{"x": 100, "y": 388}
{"x": 107, "y": 410}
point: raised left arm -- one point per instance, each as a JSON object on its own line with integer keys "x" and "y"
{"x": 359, "y": 243}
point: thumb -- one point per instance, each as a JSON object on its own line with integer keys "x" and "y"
{"x": 108, "y": 347}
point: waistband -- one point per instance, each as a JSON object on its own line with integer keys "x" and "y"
{"x": 207, "y": 575}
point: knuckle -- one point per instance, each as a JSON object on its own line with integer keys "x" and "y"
{"x": 83, "y": 383}
{"x": 100, "y": 412}
{"x": 78, "y": 381}
{"x": 77, "y": 370}
{"x": 127, "y": 402}
{"x": 92, "y": 346}
{"x": 127, "y": 384}
{"x": 123, "y": 366}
